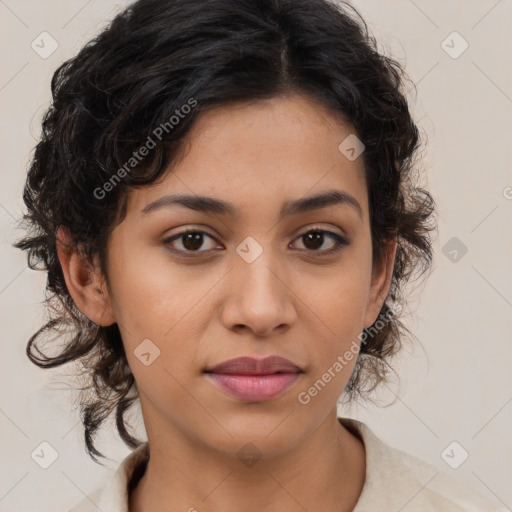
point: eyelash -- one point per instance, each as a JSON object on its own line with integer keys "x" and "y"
{"x": 340, "y": 241}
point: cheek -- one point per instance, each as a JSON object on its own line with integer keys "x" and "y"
{"x": 337, "y": 308}
{"x": 156, "y": 299}
{"x": 147, "y": 291}
{"x": 152, "y": 308}
{"x": 340, "y": 294}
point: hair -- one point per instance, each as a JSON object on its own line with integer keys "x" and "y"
{"x": 124, "y": 88}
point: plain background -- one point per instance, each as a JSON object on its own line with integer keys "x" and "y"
{"x": 455, "y": 383}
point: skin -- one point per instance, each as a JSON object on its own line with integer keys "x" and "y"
{"x": 199, "y": 311}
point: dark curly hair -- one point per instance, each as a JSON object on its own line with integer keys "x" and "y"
{"x": 154, "y": 58}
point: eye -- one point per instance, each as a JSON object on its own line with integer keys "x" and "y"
{"x": 315, "y": 239}
{"x": 190, "y": 241}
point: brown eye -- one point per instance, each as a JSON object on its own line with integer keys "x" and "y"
{"x": 313, "y": 241}
{"x": 190, "y": 241}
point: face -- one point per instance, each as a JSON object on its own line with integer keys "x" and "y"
{"x": 263, "y": 276}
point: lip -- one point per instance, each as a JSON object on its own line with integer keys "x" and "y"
{"x": 255, "y": 380}
{"x": 253, "y": 366}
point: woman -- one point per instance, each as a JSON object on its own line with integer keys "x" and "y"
{"x": 223, "y": 199}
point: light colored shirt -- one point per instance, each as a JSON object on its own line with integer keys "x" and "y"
{"x": 395, "y": 481}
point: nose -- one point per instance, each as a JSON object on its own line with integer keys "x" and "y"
{"x": 259, "y": 298}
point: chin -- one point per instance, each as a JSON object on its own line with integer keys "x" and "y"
{"x": 268, "y": 435}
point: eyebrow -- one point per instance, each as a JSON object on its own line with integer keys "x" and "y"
{"x": 211, "y": 205}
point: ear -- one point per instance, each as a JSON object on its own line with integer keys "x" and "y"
{"x": 85, "y": 282}
{"x": 381, "y": 282}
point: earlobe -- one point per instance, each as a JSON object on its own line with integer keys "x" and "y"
{"x": 380, "y": 284}
{"x": 85, "y": 282}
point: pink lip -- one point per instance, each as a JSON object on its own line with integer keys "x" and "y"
{"x": 255, "y": 388}
{"x": 252, "y": 366}
{"x": 255, "y": 380}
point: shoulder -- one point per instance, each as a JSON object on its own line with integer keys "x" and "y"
{"x": 396, "y": 480}
{"x": 114, "y": 495}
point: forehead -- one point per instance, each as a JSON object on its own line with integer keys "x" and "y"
{"x": 262, "y": 153}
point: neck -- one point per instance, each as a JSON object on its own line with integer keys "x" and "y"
{"x": 325, "y": 471}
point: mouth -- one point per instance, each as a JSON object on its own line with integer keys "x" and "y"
{"x": 255, "y": 380}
